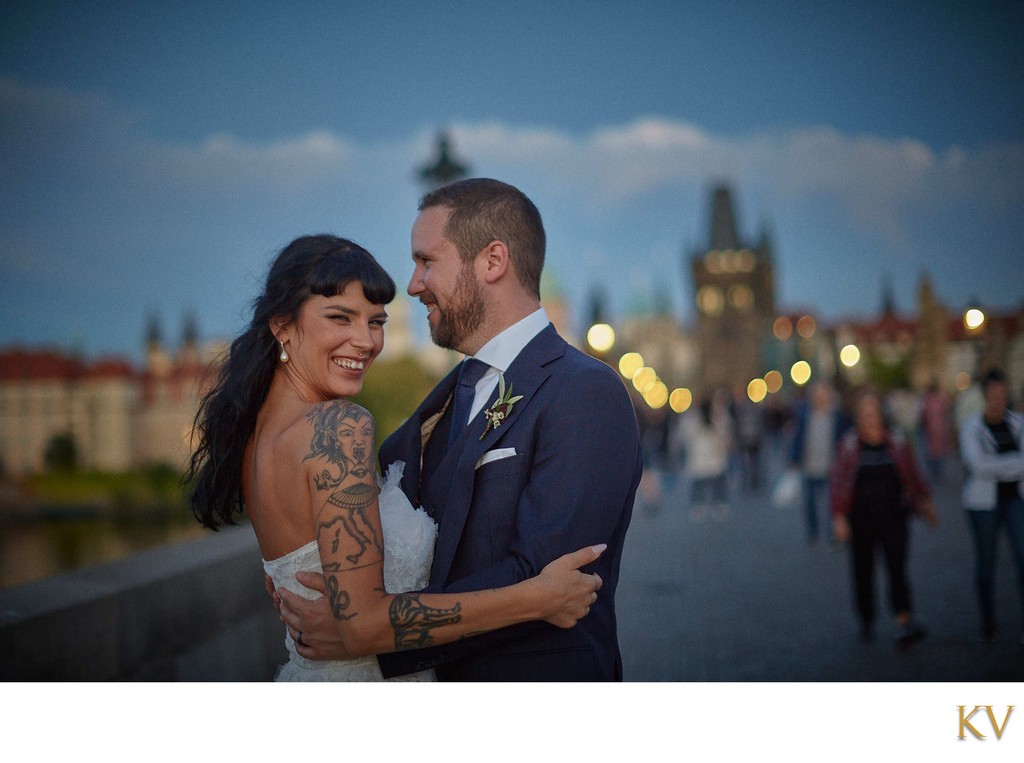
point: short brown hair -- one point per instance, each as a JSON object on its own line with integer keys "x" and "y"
{"x": 485, "y": 210}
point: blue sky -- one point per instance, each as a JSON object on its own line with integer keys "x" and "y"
{"x": 154, "y": 156}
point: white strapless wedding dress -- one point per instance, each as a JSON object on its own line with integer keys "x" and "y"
{"x": 409, "y": 536}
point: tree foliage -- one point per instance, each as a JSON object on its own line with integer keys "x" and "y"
{"x": 885, "y": 375}
{"x": 61, "y": 453}
{"x": 392, "y": 391}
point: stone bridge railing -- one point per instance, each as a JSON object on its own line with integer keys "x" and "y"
{"x": 192, "y": 611}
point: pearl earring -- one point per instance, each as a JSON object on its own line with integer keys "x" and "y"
{"x": 284, "y": 353}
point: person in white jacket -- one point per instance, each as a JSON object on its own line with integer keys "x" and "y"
{"x": 706, "y": 436}
{"x": 993, "y": 491}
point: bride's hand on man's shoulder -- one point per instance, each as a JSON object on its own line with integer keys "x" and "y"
{"x": 568, "y": 593}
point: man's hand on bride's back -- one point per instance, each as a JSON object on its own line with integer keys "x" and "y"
{"x": 311, "y": 624}
{"x": 268, "y": 584}
{"x": 567, "y": 593}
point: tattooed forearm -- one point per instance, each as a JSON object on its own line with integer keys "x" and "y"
{"x": 342, "y": 436}
{"x": 412, "y": 620}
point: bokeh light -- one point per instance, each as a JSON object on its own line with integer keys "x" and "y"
{"x": 849, "y": 355}
{"x": 756, "y": 390}
{"x": 783, "y": 328}
{"x": 806, "y": 327}
{"x": 643, "y": 378}
{"x": 974, "y": 319}
{"x": 601, "y": 337}
{"x": 711, "y": 260}
{"x": 800, "y": 373}
{"x": 710, "y": 300}
{"x": 962, "y": 381}
{"x": 773, "y": 380}
{"x": 630, "y": 363}
{"x": 680, "y": 400}
{"x": 656, "y": 395}
{"x": 740, "y": 296}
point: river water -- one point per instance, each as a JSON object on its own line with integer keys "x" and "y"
{"x": 35, "y": 549}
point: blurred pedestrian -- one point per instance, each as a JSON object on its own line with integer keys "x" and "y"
{"x": 993, "y": 491}
{"x": 749, "y": 431}
{"x": 876, "y": 486}
{"x": 655, "y": 427}
{"x": 706, "y": 440}
{"x": 819, "y": 423}
{"x": 903, "y": 410}
{"x": 969, "y": 402}
{"x": 936, "y": 431}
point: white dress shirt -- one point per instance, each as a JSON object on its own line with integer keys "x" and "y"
{"x": 499, "y": 353}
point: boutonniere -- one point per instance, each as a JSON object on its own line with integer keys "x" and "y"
{"x": 500, "y": 408}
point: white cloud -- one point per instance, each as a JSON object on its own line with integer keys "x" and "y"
{"x": 871, "y": 179}
{"x": 89, "y": 198}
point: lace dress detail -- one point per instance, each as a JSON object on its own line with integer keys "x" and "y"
{"x": 409, "y": 536}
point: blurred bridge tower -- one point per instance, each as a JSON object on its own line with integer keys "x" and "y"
{"x": 733, "y": 285}
{"x": 445, "y": 168}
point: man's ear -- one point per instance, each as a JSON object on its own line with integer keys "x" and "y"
{"x": 495, "y": 261}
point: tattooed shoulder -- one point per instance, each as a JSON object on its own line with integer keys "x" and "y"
{"x": 342, "y": 439}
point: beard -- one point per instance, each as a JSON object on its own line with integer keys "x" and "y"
{"x": 463, "y": 315}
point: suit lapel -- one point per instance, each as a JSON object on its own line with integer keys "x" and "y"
{"x": 412, "y": 437}
{"x": 526, "y": 374}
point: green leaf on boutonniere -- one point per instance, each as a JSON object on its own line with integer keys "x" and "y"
{"x": 500, "y": 408}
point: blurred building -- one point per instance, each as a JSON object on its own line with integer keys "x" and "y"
{"x": 671, "y": 365}
{"x": 935, "y": 345}
{"x": 47, "y": 394}
{"x": 734, "y": 289}
{"x": 743, "y": 340}
{"x": 116, "y": 416}
{"x": 653, "y": 331}
{"x": 171, "y": 386}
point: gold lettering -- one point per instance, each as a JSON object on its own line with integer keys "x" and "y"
{"x": 966, "y": 721}
{"x": 992, "y": 719}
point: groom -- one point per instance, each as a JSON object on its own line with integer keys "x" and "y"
{"x": 514, "y": 481}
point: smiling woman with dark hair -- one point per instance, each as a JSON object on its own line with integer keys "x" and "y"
{"x": 311, "y": 266}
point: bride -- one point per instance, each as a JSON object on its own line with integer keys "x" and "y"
{"x": 280, "y": 440}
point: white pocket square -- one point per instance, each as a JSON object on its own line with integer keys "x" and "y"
{"x": 495, "y": 455}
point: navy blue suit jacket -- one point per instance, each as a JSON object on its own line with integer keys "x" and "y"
{"x": 570, "y": 484}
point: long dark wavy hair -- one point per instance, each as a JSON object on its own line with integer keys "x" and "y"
{"x": 323, "y": 265}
